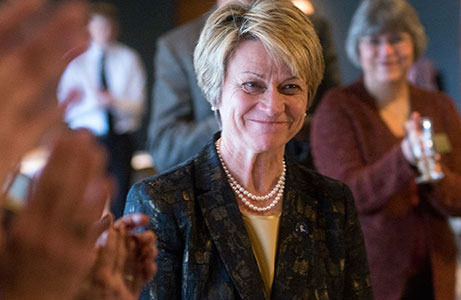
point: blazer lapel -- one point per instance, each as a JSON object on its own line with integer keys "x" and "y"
{"x": 295, "y": 265}
{"x": 224, "y": 221}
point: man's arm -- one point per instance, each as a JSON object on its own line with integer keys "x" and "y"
{"x": 182, "y": 120}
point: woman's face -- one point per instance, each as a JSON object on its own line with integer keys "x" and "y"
{"x": 386, "y": 57}
{"x": 262, "y": 105}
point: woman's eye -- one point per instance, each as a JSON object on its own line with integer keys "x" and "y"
{"x": 395, "y": 39}
{"x": 290, "y": 89}
{"x": 371, "y": 40}
{"x": 253, "y": 88}
{"x": 374, "y": 42}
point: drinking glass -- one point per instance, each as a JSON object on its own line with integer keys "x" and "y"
{"x": 420, "y": 135}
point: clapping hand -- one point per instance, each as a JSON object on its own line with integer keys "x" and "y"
{"x": 37, "y": 41}
{"x": 125, "y": 261}
{"x": 49, "y": 246}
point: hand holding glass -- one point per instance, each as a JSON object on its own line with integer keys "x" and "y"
{"x": 420, "y": 136}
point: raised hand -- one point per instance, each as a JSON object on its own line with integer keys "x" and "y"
{"x": 125, "y": 262}
{"x": 37, "y": 40}
{"x": 49, "y": 246}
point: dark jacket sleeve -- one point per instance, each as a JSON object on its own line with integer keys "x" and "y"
{"x": 167, "y": 282}
{"x": 357, "y": 283}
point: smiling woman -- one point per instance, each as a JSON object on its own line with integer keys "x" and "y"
{"x": 239, "y": 220}
{"x": 358, "y": 137}
{"x": 386, "y": 57}
{"x": 262, "y": 105}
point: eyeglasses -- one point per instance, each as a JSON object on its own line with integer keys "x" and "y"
{"x": 395, "y": 40}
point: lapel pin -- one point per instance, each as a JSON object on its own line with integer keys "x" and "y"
{"x": 302, "y": 228}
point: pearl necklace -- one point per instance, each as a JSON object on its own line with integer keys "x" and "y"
{"x": 242, "y": 193}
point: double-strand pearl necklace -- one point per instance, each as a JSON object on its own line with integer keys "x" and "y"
{"x": 243, "y": 194}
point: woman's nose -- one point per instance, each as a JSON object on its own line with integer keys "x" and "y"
{"x": 385, "y": 48}
{"x": 273, "y": 101}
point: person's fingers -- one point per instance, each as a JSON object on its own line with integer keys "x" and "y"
{"x": 121, "y": 253}
{"x": 91, "y": 207}
{"x": 48, "y": 181}
{"x": 99, "y": 227}
{"x": 28, "y": 69}
{"x": 97, "y": 191}
{"x": 147, "y": 253}
{"x": 35, "y": 128}
{"x": 132, "y": 221}
{"x": 29, "y": 75}
{"x": 75, "y": 95}
{"x": 150, "y": 269}
{"x": 106, "y": 254}
{"x": 60, "y": 193}
{"x": 146, "y": 241}
{"x": 130, "y": 272}
{"x": 64, "y": 179}
{"x": 13, "y": 14}
{"x": 87, "y": 163}
{"x": 30, "y": 131}
{"x": 415, "y": 117}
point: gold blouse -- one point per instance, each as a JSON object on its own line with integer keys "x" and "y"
{"x": 263, "y": 232}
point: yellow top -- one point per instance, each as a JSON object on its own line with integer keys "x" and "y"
{"x": 263, "y": 232}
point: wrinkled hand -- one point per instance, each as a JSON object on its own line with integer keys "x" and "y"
{"x": 36, "y": 43}
{"x": 49, "y": 247}
{"x": 125, "y": 262}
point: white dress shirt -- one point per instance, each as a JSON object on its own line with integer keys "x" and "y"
{"x": 126, "y": 78}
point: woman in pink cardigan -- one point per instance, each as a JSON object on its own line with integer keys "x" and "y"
{"x": 358, "y": 138}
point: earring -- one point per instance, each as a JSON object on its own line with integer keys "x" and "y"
{"x": 214, "y": 108}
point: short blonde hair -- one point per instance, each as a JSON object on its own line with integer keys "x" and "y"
{"x": 284, "y": 30}
{"x": 376, "y": 16}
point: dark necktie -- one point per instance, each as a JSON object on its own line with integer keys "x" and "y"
{"x": 104, "y": 87}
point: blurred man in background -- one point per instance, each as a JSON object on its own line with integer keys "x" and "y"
{"x": 112, "y": 78}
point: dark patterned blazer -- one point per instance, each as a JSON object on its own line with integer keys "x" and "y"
{"x": 205, "y": 251}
